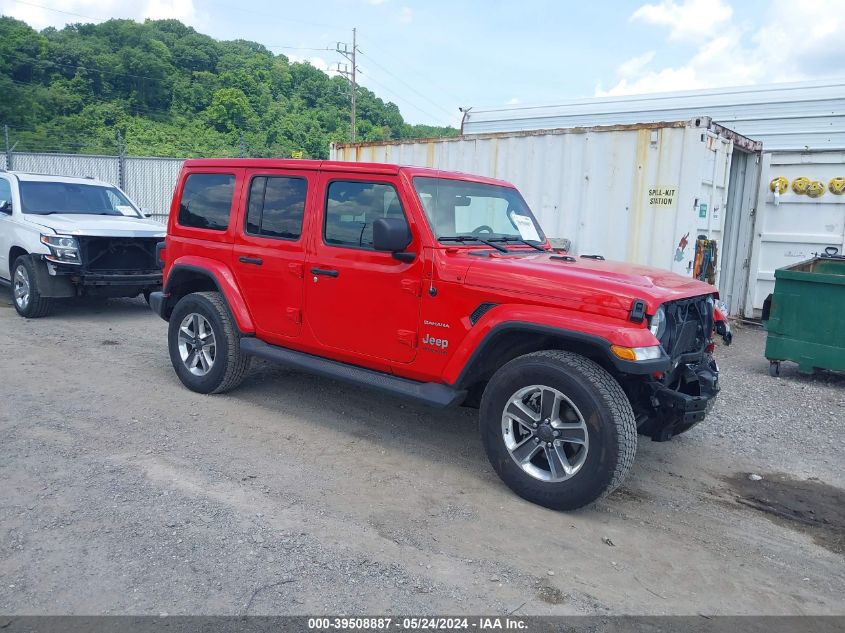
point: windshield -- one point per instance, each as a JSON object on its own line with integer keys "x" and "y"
{"x": 457, "y": 208}
{"x": 43, "y": 198}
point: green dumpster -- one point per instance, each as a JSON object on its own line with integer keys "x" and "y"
{"x": 805, "y": 316}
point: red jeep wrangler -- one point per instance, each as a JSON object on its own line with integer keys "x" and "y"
{"x": 440, "y": 288}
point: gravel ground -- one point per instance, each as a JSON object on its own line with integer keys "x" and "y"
{"x": 122, "y": 492}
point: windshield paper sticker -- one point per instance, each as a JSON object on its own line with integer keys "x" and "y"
{"x": 125, "y": 209}
{"x": 526, "y": 228}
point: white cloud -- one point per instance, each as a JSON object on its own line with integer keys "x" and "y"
{"x": 171, "y": 10}
{"x": 376, "y": 2}
{"x": 71, "y": 11}
{"x": 791, "y": 43}
{"x": 406, "y": 15}
{"x": 513, "y": 101}
{"x": 317, "y": 62}
{"x": 634, "y": 65}
{"x": 691, "y": 20}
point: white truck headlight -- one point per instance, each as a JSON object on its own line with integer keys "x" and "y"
{"x": 657, "y": 323}
{"x": 64, "y": 249}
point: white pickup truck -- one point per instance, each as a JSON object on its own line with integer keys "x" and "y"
{"x": 66, "y": 237}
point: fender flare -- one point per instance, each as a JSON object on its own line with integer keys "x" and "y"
{"x": 222, "y": 277}
{"x": 597, "y": 332}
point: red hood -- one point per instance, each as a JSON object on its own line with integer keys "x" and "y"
{"x": 594, "y": 285}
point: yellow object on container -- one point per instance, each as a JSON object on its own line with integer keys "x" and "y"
{"x": 837, "y": 186}
{"x": 781, "y": 183}
{"x": 815, "y": 189}
{"x": 800, "y": 184}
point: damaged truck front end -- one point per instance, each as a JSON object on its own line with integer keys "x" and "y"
{"x": 100, "y": 266}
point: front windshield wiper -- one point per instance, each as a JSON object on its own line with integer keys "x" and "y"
{"x": 472, "y": 238}
{"x": 508, "y": 238}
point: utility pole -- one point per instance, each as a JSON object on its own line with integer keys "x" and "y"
{"x": 350, "y": 54}
{"x": 8, "y": 148}
{"x": 121, "y": 161}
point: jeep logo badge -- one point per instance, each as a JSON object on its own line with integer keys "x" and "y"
{"x": 442, "y": 343}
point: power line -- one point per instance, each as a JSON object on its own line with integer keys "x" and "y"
{"x": 276, "y": 17}
{"x": 427, "y": 78}
{"x": 300, "y": 48}
{"x": 438, "y": 106}
{"x": 401, "y": 98}
{"x": 41, "y": 6}
{"x": 36, "y": 60}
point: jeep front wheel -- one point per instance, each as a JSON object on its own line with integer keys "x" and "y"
{"x": 558, "y": 429}
{"x": 204, "y": 344}
{"x": 25, "y": 291}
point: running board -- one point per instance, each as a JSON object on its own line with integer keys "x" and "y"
{"x": 430, "y": 393}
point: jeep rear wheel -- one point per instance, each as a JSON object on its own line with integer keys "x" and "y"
{"x": 204, "y": 344}
{"x": 25, "y": 292}
{"x": 558, "y": 429}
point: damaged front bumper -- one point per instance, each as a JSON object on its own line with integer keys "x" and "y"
{"x": 66, "y": 280}
{"x": 687, "y": 402}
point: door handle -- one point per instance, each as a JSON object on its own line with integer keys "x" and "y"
{"x": 325, "y": 271}
{"x": 251, "y": 260}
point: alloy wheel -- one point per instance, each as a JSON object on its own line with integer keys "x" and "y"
{"x": 197, "y": 344}
{"x": 21, "y": 287}
{"x": 545, "y": 433}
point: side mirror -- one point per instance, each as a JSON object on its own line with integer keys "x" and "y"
{"x": 6, "y": 207}
{"x": 394, "y": 236}
{"x": 145, "y": 212}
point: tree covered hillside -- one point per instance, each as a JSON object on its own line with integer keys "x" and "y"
{"x": 171, "y": 91}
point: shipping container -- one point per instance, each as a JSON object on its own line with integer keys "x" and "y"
{"x": 642, "y": 193}
{"x": 802, "y": 128}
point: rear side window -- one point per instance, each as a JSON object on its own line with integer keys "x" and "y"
{"x": 353, "y": 206}
{"x": 276, "y": 206}
{"x": 206, "y": 201}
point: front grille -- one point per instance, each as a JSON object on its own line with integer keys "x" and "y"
{"x": 689, "y": 323}
{"x": 118, "y": 254}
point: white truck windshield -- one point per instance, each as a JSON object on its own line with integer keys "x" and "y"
{"x": 44, "y": 198}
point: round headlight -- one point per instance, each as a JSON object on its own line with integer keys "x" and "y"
{"x": 657, "y": 323}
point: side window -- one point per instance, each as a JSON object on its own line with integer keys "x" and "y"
{"x": 351, "y": 209}
{"x": 206, "y": 201}
{"x": 5, "y": 196}
{"x": 276, "y": 206}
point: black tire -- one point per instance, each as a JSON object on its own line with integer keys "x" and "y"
{"x": 606, "y": 413}
{"x": 229, "y": 365}
{"x": 36, "y": 306}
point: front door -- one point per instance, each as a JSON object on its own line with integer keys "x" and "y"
{"x": 5, "y": 228}
{"x": 269, "y": 255}
{"x": 359, "y": 300}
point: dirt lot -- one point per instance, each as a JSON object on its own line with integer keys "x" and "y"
{"x": 122, "y": 492}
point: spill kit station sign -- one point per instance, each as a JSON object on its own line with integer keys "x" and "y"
{"x": 662, "y": 196}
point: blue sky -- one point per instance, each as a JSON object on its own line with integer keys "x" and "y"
{"x": 431, "y": 57}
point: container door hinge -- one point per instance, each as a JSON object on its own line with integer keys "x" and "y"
{"x": 407, "y": 337}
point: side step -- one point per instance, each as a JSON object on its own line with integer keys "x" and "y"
{"x": 430, "y": 393}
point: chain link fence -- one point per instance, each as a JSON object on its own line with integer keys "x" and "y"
{"x": 148, "y": 181}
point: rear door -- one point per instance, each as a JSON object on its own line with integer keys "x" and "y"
{"x": 269, "y": 255}
{"x": 359, "y": 300}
